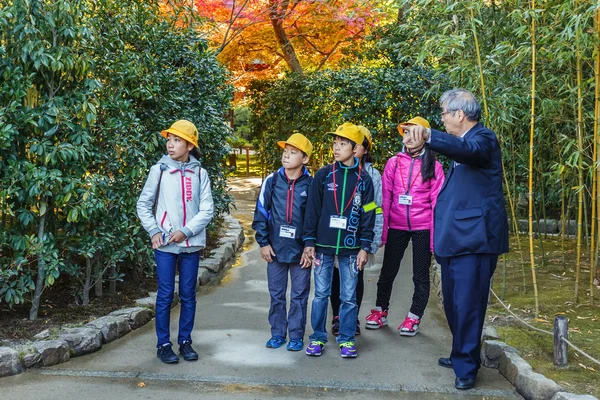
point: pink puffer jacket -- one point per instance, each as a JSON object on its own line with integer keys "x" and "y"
{"x": 399, "y": 171}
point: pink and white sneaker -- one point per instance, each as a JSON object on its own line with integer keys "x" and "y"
{"x": 377, "y": 319}
{"x": 410, "y": 326}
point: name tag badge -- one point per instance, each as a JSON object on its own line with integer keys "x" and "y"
{"x": 337, "y": 222}
{"x": 286, "y": 231}
{"x": 405, "y": 199}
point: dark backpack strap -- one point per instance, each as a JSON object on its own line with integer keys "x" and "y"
{"x": 162, "y": 168}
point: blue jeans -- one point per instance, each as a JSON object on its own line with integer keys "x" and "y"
{"x": 348, "y": 308}
{"x": 279, "y": 318}
{"x": 188, "y": 277}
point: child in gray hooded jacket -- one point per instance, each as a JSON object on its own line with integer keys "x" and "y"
{"x": 175, "y": 207}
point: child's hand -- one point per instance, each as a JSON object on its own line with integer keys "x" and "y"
{"x": 361, "y": 259}
{"x": 177, "y": 237}
{"x": 157, "y": 241}
{"x": 307, "y": 258}
{"x": 267, "y": 253}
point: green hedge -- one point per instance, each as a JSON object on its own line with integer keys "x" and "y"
{"x": 85, "y": 88}
{"x": 314, "y": 104}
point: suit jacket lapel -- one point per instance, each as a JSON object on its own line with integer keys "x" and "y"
{"x": 448, "y": 175}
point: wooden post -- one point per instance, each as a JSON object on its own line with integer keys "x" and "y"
{"x": 561, "y": 329}
{"x": 247, "y": 162}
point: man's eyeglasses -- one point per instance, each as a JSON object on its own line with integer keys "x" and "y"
{"x": 447, "y": 112}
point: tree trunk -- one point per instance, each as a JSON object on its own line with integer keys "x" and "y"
{"x": 41, "y": 266}
{"x": 277, "y": 13}
{"x": 98, "y": 284}
{"x": 86, "y": 283}
{"x": 112, "y": 286}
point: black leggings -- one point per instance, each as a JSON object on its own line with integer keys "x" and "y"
{"x": 335, "y": 291}
{"x": 392, "y": 257}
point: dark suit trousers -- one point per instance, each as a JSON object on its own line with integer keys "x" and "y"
{"x": 465, "y": 286}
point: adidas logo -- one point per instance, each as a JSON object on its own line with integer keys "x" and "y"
{"x": 303, "y": 193}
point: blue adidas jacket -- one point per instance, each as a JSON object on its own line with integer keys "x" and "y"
{"x": 354, "y": 198}
{"x": 282, "y": 202}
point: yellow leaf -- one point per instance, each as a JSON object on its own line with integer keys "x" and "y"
{"x": 141, "y": 384}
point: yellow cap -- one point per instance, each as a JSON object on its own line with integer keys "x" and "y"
{"x": 349, "y": 131}
{"x": 183, "y": 129}
{"x": 415, "y": 121}
{"x": 367, "y": 135}
{"x": 299, "y": 141}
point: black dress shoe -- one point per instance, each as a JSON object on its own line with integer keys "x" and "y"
{"x": 464, "y": 383}
{"x": 188, "y": 353}
{"x": 445, "y": 362}
{"x": 167, "y": 355}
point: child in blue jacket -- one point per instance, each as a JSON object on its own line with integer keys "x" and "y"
{"x": 278, "y": 222}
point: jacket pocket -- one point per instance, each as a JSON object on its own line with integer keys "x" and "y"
{"x": 468, "y": 213}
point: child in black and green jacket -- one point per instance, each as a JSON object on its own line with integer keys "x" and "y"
{"x": 339, "y": 221}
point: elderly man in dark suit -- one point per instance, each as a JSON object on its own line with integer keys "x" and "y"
{"x": 471, "y": 226}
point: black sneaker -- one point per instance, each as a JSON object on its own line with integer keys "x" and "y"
{"x": 167, "y": 355}
{"x": 188, "y": 353}
{"x": 335, "y": 326}
{"x": 357, "y": 328}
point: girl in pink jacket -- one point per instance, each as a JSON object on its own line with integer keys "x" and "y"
{"x": 411, "y": 183}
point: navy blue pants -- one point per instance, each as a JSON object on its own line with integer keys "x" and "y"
{"x": 466, "y": 286}
{"x": 187, "y": 263}
{"x": 279, "y": 318}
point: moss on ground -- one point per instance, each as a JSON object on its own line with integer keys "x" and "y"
{"x": 556, "y": 290}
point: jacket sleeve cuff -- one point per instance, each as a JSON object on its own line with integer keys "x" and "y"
{"x": 366, "y": 245}
{"x": 309, "y": 242}
{"x": 186, "y": 231}
{"x": 154, "y": 232}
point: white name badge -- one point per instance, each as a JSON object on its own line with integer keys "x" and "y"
{"x": 337, "y": 222}
{"x": 286, "y": 231}
{"x": 405, "y": 199}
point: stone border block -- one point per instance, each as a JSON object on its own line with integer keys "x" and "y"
{"x": 9, "y": 362}
{"x": 111, "y": 327}
{"x": 571, "y": 396}
{"x": 82, "y": 340}
{"x": 135, "y": 316}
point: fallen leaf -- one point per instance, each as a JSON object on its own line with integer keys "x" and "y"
{"x": 141, "y": 384}
{"x": 560, "y": 313}
{"x": 578, "y": 317}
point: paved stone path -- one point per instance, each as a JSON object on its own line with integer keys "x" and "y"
{"x": 230, "y": 334}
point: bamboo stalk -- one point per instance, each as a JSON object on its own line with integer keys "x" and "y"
{"x": 579, "y": 162}
{"x": 595, "y": 162}
{"x": 531, "y": 141}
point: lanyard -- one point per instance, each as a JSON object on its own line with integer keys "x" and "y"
{"x": 289, "y": 201}
{"x": 337, "y": 209}
{"x": 402, "y": 177}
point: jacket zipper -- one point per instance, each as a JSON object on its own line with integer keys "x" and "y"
{"x": 412, "y": 163}
{"x": 337, "y": 247}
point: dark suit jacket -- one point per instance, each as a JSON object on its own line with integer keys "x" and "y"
{"x": 470, "y": 217}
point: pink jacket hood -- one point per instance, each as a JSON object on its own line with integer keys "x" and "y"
{"x": 399, "y": 171}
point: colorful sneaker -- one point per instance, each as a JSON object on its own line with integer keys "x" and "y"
{"x": 335, "y": 326}
{"x": 315, "y": 348}
{"x": 410, "y": 326}
{"x": 275, "y": 342}
{"x": 377, "y": 319}
{"x": 357, "y": 328}
{"x": 295, "y": 345}
{"x": 348, "y": 350}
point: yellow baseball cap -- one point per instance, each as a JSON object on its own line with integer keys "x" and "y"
{"x": 415, "y": 121}
{"x": 183, "y": 129}
{"x": 299, "y": 141}
{"x": 367, "y": 135}
{"x": 349, "y": 131}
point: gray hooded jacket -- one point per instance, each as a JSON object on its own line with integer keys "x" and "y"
{"x": 184, "y": 203}
{"x": 378, "y": 228}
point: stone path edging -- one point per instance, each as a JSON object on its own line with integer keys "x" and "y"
{"x": 499, "y": 355}
{"x": 55, "y": 346}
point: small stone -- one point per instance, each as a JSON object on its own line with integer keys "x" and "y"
{"x": 136, "y": 316}
{"x": 490, "y": 333}
{"x": 52, "y": 352}
{"x": 203, "y": 276}
{"x": 571, "y": 396}
{"x": 211, "y": 264}
{"x": 83, "y": 340}
{"x": 43, "y": 335}
{"x": 148, "y": 302}
{"x": 112, "y": 327}
{"x": 9, "y": 362}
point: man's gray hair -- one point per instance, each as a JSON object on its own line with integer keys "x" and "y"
{"x": 461, "y": 99}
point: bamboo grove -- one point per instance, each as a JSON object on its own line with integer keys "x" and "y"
{"x": 535, "y": 66}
